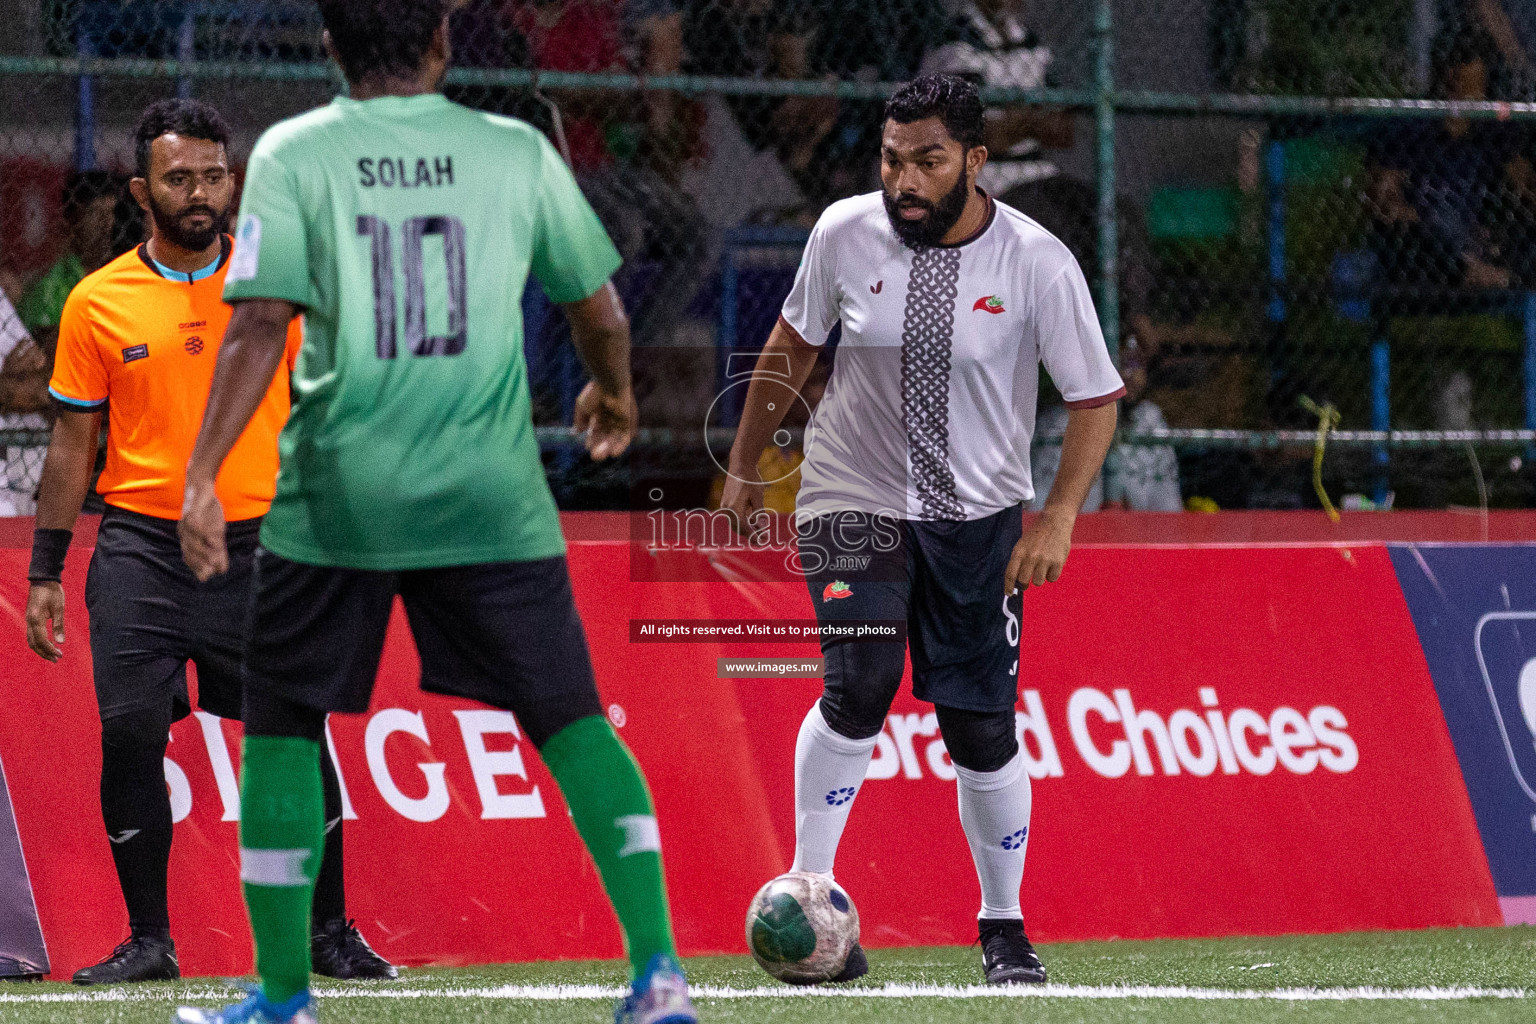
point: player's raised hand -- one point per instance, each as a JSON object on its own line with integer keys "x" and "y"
{"x": 45, "y": 619}
{"x": 606, "y": 419}
{"x": 1040, "y": 554}
{"x": 202, "y": 530}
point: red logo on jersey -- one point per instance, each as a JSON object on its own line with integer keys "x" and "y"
{"x": 989, "y": 304}
{"x": 875, "y": 288}
{"x": 836, "y": 589}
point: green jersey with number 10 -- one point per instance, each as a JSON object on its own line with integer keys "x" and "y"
{"x": 407, "y": 227}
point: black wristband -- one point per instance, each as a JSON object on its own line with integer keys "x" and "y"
{"x": 48, "y": 550}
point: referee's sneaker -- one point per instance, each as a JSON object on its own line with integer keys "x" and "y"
{"x": 137, "y": 342}
{"x": 916, "y": 474}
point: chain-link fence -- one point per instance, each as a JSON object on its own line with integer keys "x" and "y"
{"x": 1324, "y": 199}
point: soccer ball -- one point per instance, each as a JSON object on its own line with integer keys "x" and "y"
{"x": 801, "y": 927}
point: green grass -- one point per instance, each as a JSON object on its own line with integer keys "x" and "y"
{"x": 1490, "y": 958}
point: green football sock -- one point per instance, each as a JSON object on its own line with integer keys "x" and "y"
{"x": 282, "y": 835}
{"x": 612, "y": 809}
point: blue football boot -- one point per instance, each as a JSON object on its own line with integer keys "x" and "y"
{"x": 254, "y": 1009}
{"x": 659, "y": 996}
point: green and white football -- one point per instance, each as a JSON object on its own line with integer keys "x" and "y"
{"x": 801, "y": 927}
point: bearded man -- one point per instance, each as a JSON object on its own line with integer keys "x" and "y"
{"x": 138, "y": 340}
{"x": 917, "y": 469}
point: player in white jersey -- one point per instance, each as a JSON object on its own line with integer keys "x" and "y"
{"x": 916, "y": 474}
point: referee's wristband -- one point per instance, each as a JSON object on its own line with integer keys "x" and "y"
{"x": 48, "y": 550}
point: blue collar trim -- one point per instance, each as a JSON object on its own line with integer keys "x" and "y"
{"x": 192, "y": 278}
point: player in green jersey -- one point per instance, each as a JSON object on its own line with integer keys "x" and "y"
{"x": 404, "y": 228}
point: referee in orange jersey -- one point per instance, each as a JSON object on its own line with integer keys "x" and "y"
{"x": 138, "y": 341}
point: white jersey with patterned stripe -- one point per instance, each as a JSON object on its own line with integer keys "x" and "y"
{"x": 931, "y": 406}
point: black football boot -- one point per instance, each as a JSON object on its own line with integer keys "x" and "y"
{"x": 140, "y": 957}
{"x": 1007, "y": 957}
{"x": 339, "y": 951}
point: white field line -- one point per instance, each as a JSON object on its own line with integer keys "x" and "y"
{"x": 565, "y": 993}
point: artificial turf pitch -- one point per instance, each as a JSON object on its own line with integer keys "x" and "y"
{"x": 1473, "y": 975}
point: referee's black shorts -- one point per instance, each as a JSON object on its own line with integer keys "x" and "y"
{"x": 506, "y": 634}
{"x": 149, "y": 616}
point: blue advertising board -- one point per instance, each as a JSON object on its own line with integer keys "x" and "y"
{"x": 1474, "y": 607}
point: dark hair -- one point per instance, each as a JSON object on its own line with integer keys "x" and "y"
{"x": 949, "y": 98}
{"x": 381, "y": 37}
{"x": 191, "y": 118}
{"x": 82, "y": 188}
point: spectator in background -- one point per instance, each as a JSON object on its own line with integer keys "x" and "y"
{"x": 1141, "y": 477}
{"x": 483, "y": 36}
{"x": 654, "y": 29}
{"x": 989, "y": 43}
{"x": 1136, "y": 477}
{"x": 828, "y": 146}
{"x": 1431, "y": 186}
{"x": 627, "y": 173}
{"x": 24, "y": 370}
{"x": 762, "y": 39}
{"x": 1510, "y": 26}
{"x": 862, "y": 41}
{"x": 90, "y": 202}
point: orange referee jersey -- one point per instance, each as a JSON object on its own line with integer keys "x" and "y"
{"x": 142, "y": 342}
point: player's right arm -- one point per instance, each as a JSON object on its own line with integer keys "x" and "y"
{"x": 66, "y": 479}
{"x": 79, "y": 387}
{"x": 605, "y": 409}
{"x": 809, "y": 314}
{"x": 742, "y": 495}
{"x": 268, "y": 284}
{"x": 254, "y": 345}
{"x": 573, "y": 259}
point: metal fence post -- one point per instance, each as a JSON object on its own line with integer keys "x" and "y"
{"x": 85, "y": 108}
{"x": 1528, "y": 327}
{"x": 1381, "y": 414}
{"x": 1104, "y": 131}
{"x": 186, "y": 49}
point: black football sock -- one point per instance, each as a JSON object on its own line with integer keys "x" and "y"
{"x": 136, "y": 808}
{"x": 330, "y": 886}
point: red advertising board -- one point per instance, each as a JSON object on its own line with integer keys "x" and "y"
{"x": 1224, "y": 740}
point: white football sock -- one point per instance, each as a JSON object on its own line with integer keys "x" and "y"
{"x": 829, "y": 769}
{"x": 994, "y": 811}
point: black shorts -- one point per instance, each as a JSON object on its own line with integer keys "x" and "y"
{"x": 944, "y": 579}
{"x": 505, "y": 633}
{"x": 149, "y": 616}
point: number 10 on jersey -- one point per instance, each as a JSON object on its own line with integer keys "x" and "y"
{"x": 412, "y": 233}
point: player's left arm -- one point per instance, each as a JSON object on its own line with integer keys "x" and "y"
{"x": 605, "y": 410}
{"x": 1042, "y": 552}
{"x": 1071, "y": 345}
{"x": 253, "y": 348}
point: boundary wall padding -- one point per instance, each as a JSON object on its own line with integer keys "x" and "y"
{"x": 1224, "y": 739}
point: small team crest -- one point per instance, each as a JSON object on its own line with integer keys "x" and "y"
{"x": 989, "y": 304}
{"x": 835, "y": 590}
{"x": 193, "y": 345}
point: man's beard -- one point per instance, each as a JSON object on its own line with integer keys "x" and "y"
{"x": 942, "y": 216}
{"x": 174, "y": 229}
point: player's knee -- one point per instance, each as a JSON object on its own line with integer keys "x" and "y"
{"x": 269, "y": 715}
{"x": 861, "y": 682}
{"x": 978, "y": 741}
{"x": 137, "y": 734}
